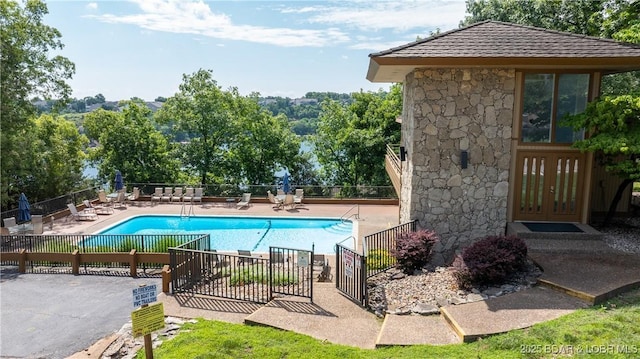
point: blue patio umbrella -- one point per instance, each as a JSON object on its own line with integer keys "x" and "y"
{"x": 24, "y": 210}
{"x": 119, "y": 184}
{"x": 285, "y": 183}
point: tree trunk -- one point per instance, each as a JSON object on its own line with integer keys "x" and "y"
{"x": 614, "y": 202}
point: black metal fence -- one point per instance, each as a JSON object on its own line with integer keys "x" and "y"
{"x": 198, "y": 269}
{"x": 291, "y": 272}
{"x": 351, "y": 273}
{"x": 229, "y": 190}
{"x": 378, "y": 247}
{"x": 56, "y": 204}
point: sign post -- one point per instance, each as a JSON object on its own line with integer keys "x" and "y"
{"x": 148, "y": 318}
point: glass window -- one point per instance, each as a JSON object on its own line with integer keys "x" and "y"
{"x": 573, "y": 92}
{"x": 567, "y": 93}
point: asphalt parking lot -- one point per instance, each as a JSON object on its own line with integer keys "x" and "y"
{"x": 56, "y": 315}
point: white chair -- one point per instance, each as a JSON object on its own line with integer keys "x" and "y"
{"x": 157, "y": 195}
{"x": 245, "y": 201}
{"x": 120, "y": 200}
{"x": 188, "y": 195}
{"x": 177, "y": 195}
{"x": 197, "y": 197}
{"x": 297, "y": 198}
{"x": 167, "y": 194}
{"x": 289, "y": 201}
{"x": 99, "y": 209}
{"x": 104, "y": 200}
{"x": 10, "y": 225}
{"x": 278, "y": 203}
{"x": 36, "y": 223}
{"x": 81, "y": 216}
{"x": 134, "y": 195}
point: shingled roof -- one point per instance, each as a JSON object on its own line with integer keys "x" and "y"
{"x": 500, "y": 44}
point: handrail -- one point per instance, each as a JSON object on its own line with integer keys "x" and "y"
{"x": 350, "y": 237}
{"x": 183, "y": 212}
{"x": 344, "y": 217}
{"x": 394, "y": 159}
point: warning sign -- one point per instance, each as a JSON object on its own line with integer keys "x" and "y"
{"x": 347, "y": 258}
{"x": 147, "y": 319}
{"x": 144, "y": 295}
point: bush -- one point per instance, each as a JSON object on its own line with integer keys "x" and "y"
{"x": 379, "y": 259}
{"x": 490, "y": 260}
{"x": 413, "y": 249}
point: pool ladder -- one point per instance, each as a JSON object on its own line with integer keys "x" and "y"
{"x": 186, "y": 213}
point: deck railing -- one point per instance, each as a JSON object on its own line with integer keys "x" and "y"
{"x": 378, "y": 247}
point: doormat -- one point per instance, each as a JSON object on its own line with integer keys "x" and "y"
{"x": 551, "y": 227}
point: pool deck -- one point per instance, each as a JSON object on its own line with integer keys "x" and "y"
{"x": 372, "y": 218}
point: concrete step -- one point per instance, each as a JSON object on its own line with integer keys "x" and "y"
{"x": 415, "y": 330}
{"x": 521, "y": 231}
{"x": 501, "y": 314}
{"x": 567, "y": 245}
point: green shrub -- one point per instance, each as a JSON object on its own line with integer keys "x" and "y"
{"x": 379, "y": 259}
{"x": 127, "y": 244}
{"x": 162, "y": 245}
{"x": 490, "y": 260}
{"x": 413, "y": 249}
{"x": 258, "y": 274}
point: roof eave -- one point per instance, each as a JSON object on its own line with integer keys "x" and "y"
{"x": 394, "y": 69}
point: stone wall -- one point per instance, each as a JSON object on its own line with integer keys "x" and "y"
{"x": 445, "y": 112}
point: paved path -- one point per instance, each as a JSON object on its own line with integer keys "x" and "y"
{"x": 55, "y": 315}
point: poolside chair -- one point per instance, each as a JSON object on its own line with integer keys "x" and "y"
{"x": 297, "y": 198}
{"x": 289, "y": 201}
{"x": 325, "y": 275}
{"x": 134, "y": 195}
{"x": 157, "y": 195}
{"x": 36, "y": 224}
{"x": 167, "y": 194}
{"x": 246, "y": 257}
{"x": 188, "y": 195}
{"x": 81, "y": 216}
{"x": 98, "y": 209}
{"x": 177, "y": 195}
{"x": 10, "y": 225}
{"x": 120, "y": 200}
{"x": 103, "y": 199}
{"x": 197, "y": 197}
{"x": 245, "y": 201}
{"x": 278, "y": 203}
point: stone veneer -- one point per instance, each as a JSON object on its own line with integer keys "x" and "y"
{"x": 445, "y": 112}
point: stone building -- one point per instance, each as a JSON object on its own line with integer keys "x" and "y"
{"x": 481, "y": 144}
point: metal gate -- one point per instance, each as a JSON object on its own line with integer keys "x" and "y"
{"x": 351, "y": 274}
{"x": 291, "y": 272}
{"x": 247, "y": 277}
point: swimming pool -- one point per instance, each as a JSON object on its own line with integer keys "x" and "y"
{"x": 247, "y": 233}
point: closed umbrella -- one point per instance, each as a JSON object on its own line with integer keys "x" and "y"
{"x": 24, "y": 210}
{"x": 119, "y": 184}
{"x": 285, "y": 183}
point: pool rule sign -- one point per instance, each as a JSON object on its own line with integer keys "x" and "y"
{"x": 148, "y": 318}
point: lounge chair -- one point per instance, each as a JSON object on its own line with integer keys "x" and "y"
{"x": 103, "y": 199}
{"x": 83, "y": 215}
{"x": 325, "y": 275}
{"x": 297, "y": 198}
{"x": 197, "y": 197}
{"x": 177, "y": 195}
{"x": 246, "y": 257}
{"x": 167, "y": 194}
{"x": 134, "y": 195}
{"x": 278, "y": 203}
{"x": 245, "y": 201}
{"x": 10, "y": 225}
{"x": 188, "y": 195}
{"x": 98, "y": 209}
{"x": 157, "y": 195}
{"x": 36, "y": 224}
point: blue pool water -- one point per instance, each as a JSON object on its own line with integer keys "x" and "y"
{"x": 249, "y": 233}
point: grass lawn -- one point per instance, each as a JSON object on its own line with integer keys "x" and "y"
{"x": 604, "y": 331}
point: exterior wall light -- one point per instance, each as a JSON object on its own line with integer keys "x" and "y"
{"x": 403, "y": 154}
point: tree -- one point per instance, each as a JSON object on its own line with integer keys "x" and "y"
{"x": 27, "y": 69}
{"x": 350, "y": 140}
{"x": 614, "y": 127}
{"x": 129, "y": 142}
{"x": 261, "y": 144}
{"x": 617, "y": 19}
{"x": 204, "y": 111}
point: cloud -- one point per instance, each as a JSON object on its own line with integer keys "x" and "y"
{"x": 388, "y": 15}
{"x": 196, "y": 17}
{"x": 92, "y": 6}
